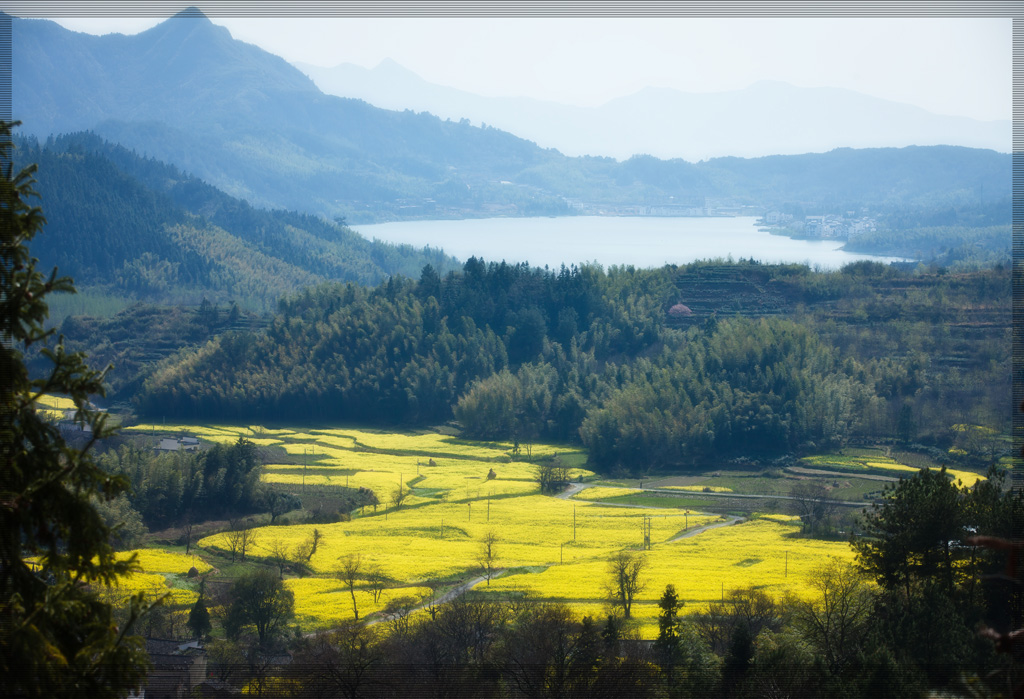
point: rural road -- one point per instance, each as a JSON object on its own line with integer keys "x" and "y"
{"x": 700, "y": 530}
{"x": 573, "y": 489}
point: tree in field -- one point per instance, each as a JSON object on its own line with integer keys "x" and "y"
{"x": 260, "y": 602}
{"x": 348, "y": 573}
{"x": 57, "y": 637}
{"x": 812, "y": 504}
{"x": 487, "y": 553}
{"x": 552, "y": 476}
{"x": 376, "y": 581}
{"x": 625, "y": 581}
{"x": 241, "y": 538}
{"x": 305, "y": 551}
{"x": 282, "y": 555}
{"x": 398, "y": 497}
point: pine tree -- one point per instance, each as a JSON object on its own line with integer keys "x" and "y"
{"x": 199, "y": 619}
{"x": 667, "y": 643}
{"x": 57, "y": 637}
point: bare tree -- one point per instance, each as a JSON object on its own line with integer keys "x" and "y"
{"x": 625, "y": 570}
{"x": 305, "y": 551}
{"x": 377, "y": 581}
{"x": 397, "y": 613}
{"x": 348, "y": 573}
{"x": 234, "y": 537}
{"x": 281, "y": 555}
{"x": 432, "y": 602}
{"x": 247, "y": 538}
{"x": 399, "y": 496}
{"x": 812, "y": 504}
{"x": 487, "y": 554}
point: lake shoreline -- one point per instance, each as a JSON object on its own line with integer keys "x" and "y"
{"x": 638, "y": 241}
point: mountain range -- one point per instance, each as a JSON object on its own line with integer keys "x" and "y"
{"x": 766, "y": 118}
{"x": 186, "y": 93}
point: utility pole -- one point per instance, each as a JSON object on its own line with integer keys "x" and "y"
{"x": 574, "y": 523}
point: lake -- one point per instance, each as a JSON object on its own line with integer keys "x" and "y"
{"x": 611, "y": 240}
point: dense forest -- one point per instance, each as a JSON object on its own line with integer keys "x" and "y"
{"x": 135, "y": 228}
{"x": 669, "y": 367}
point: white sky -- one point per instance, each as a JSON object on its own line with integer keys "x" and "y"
{"x": 960, "y": 66}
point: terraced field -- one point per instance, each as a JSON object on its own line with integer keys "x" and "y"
{"x": 548, "y": 548}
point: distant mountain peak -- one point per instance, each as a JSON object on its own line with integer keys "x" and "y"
{"x": 391, "y": 67}
{"x": 192, "y": 12}
{"x": 191, "y": 23}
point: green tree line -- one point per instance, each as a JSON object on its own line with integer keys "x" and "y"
{"x": 600, "y": 357}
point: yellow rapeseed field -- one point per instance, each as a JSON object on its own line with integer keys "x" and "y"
{"x": 882, "y": 463}
{"x": 54, "y": 407}
{"x": 600, "y": 492}
{"x": 702, "y": 568}
{"x": 163, "y": 561}
{"x": 156, "y": 564}
{"x": 553, "y": 549}
{"x": 56, "y": 402}
{"x": 154, "y": 585}
{"x": 322, "y": 603}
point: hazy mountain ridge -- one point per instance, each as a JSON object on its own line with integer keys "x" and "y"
{"x": 766, "y": 118}
{"x": 251, "y": 124}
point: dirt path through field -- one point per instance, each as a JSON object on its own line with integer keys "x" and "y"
{"x": 733, "y": 519}
{"x": 573, "y": 489}
{"x": 839, "y": 474}
{"x": 446, "y": 597}
{"x": 464, "y": 588}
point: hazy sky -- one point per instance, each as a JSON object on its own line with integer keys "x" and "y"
{"x": 960, "y": 66}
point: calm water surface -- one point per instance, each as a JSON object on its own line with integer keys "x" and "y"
{"x": 611, "y": 240}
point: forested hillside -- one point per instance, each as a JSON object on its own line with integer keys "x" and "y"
{"x": 616, "y": 359}
{"x": 140, "y": 229}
